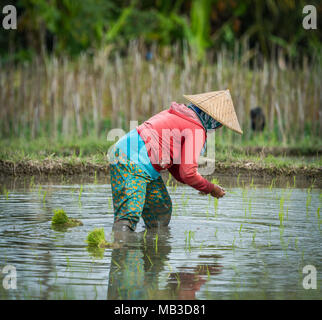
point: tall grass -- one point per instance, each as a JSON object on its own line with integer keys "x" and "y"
{"x": 57, "y": 96}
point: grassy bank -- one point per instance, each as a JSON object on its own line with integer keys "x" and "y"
{"x": 87, "y": 156}
{"x": 57, "y": 111}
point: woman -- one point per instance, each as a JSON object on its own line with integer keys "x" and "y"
{"x": 171, "y": 140}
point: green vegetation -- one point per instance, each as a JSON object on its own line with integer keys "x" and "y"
{"x": 76, "y": 69}
{"x": 60, "y": 220}
{"x": 69, "y": 26}
{"x": 60, "y": 217}
{"x": 190, "y": 235}
{"x": 89, "y": 155}
{"x": 5, "y": 192}
{"x": 88, "y": 105}
{"x": 96, "y": 239}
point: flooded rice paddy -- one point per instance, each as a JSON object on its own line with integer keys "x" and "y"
{"x": 251, "y": 244}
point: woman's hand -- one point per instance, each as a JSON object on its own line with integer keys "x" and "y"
{"x": 218, "y": 192}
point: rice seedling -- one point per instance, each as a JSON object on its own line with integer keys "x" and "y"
{"x": 253, "y": 238}
{"x": 149, "y": 259}
{"x": 272, "y": 184}
{"x": 190, "y": 235}
{"x": 184, "y": 199}
{"x": 39, "y": 191}
{"x": 144, "y": 236}
{"x": 281, "y": 231}
{"x": 308, "y": 200}
{"x": 170, "y": 269}
{"x": 178, "y": 279}
{"x": 216, "y": 206}
{"x": 80, "y": 195}
{"x": 244, "y": 194}
{"x": 60, "y": 217}
{"x": 208, "y": 272}
{"x": 296, "y": 241}
{"x": 238, "y": 177}
{"x": 168, "y": 180}
{"x": 96, "y": 238}
{"x": 156, "y": 243}
{"x": 252, "y": 183}
{"x": 302, "y": 254}
{"x": 281, "y": 212}
{"x": 215, "y": 233}
{"x": 215, "y": 181}
{"x": 60, "y": 221}
{"x": 44, "y": 196}
{"x": 233, "y": 244}
{"x": 32, "y": 183}
{"x": 294, "y": 181}
{"x": 240, "y": 229}
{"x": 286, "y": 213}
{"x": 96, "y": 294}
{"x": 174, "y": 187}
{"x": 68, "y": 265}
{"x": 5, "y": 192}
{"x": 95, "y": 177}
{"x": 175, "y": 208}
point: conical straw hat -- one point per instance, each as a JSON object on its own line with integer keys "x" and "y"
{"x": 219, "y": 105}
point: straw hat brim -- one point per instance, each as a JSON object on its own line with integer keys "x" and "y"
{"x": 219, "y": 105}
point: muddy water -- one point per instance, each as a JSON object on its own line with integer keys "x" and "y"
{"x": 254, "y": 243}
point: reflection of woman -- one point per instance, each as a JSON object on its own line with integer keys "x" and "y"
{"x": 172, "y": 139}
{"x": 185, "y": 285}
{"x": 135, "y": 267}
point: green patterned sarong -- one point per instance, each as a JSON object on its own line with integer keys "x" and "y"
{"x": 136, "y": 194}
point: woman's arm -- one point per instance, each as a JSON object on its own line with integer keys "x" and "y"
{"x": 188, "y": 170}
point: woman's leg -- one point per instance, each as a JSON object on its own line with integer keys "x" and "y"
{"x": 158, "y": 205}
{"x": 129, "y": 184}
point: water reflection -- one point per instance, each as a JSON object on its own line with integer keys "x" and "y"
{"x": 262, "y": 236}
{"x": 136, "y": 267}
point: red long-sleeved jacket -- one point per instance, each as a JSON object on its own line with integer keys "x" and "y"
{"x": 174, "y": 139}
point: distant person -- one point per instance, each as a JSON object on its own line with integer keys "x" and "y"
{"x": 257, "y": 117}
{"x": 171, "y": 140}
{"x": 149, "y": 56}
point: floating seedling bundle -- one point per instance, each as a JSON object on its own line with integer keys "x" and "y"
{"x": 60, "y": 220}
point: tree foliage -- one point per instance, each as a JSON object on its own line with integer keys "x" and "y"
{"x": 72, "y": 26}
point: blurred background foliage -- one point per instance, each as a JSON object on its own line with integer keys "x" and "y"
{"x": 77, "y": 68}
{"x": 73, "y": 26}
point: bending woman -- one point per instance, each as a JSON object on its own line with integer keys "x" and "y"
{"x": 171, "y": 140}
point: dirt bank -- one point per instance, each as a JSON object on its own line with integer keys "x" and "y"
{"x": 51, "y": 167}
{"x": 78, "y": 167}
